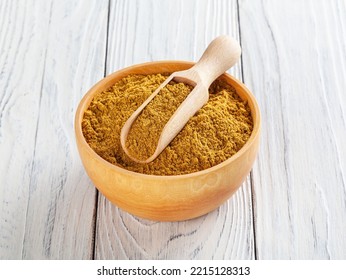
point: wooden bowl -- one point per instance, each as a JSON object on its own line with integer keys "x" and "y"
{"x": 167, "y": 198}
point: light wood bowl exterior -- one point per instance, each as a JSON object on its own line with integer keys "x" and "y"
{"x": 167, "y": 198}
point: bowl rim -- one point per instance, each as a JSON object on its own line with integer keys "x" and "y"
{"x": 87, "y": 98}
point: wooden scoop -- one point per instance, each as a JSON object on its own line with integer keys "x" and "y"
{"x": 221, "y": 54}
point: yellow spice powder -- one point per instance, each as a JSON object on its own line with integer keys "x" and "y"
{"x": 146, "y": 129}
{"x": 218, "y": 130}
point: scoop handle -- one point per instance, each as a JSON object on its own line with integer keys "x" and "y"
{"x": 221, "y": 54}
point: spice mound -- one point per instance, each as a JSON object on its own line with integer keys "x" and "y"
{"x": 146, "y": 130}
{"x": 215, "y": 133}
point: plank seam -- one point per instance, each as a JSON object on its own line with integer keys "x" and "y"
{"x": 93, "y": 255}
{"x": 37, "y": 124}
{"x": 251, "y": 174}
{"x": 107, "y": 35}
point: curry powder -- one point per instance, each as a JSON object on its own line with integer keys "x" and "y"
{"x": 215, "y": 133}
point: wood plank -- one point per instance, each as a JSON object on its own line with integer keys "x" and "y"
{"x": 54, "y": 199}
{"x": 23, "y": 45}
{"x": 143, "y": 31}
{"x": 294, "y": 57}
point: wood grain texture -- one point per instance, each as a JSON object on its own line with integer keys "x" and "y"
{"x": 23, "y": 44}
{"x": 294, "y": 55}
{"x": 225, "y": 233}
{"x": 47, "y": 200}
{"x": 141, "y": 31}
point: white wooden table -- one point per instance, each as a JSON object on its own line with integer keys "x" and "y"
{"x": 293, "y": 204}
